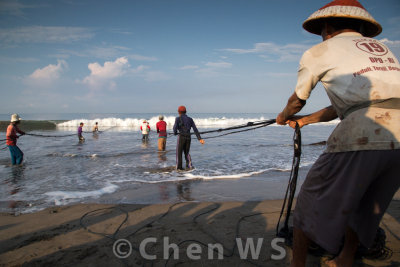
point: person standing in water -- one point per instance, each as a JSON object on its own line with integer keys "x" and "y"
{"x": 183, "y": 124}
{"x": 145, "y": 128}
{"x": 16, "y": 154}
{"x": 161, "y": 127}
{"x": 80, "y": 130}
{"x": 96, "y": 127}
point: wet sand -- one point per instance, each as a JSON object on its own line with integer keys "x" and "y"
{"x": 84, "y": 234}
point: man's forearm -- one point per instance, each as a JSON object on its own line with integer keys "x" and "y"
{"x": 323, "y": 115}
{"x": 293, "y": 106}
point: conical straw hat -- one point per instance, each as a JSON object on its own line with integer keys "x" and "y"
{"x": 343, "y": 9}
{"x": 15, "y": 117}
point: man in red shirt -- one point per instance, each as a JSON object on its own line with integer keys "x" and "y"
{"x": 16, "y": 154}
{"x": 162, "y": 133}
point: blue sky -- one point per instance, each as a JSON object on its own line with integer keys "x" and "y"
{"x": 154, "y": 55}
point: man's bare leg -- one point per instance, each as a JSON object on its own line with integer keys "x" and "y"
{"x": 346, "y": 256}
{"x": 300, "y": 248}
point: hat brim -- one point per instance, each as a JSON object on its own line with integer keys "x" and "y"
{"x": 15, "y": 120}
{"x": 370, "y": 28}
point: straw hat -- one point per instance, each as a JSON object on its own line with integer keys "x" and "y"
{"x": 15, "y": 117}
{"x": 351, "y": 9}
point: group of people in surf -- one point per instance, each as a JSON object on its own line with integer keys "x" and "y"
{"x": 182, "y": 127}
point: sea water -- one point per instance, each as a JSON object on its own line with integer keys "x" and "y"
{"x": 58, "y": 171}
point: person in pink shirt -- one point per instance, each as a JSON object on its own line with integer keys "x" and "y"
{"x": 16, "y": 154}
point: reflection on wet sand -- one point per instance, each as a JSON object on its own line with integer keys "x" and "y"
{"x": 162, "y": 155}
{"x": 17, "y": 174}
{"x": 184, "y": 191}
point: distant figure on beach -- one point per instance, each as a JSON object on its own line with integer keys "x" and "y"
{"x": 183, "y": 124}
{"x": 95, "y": 128}
{"x": 145, "y": 128}
{"x": 16, "y": 154}
{"x": 161, "y": 127}
{"x": 80, "y": 130}
{"x": 350, "y": 186}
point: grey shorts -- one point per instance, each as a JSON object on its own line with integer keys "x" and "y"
{"x": 347, "y": 189}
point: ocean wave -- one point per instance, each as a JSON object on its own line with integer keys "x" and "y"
{"x": 211, "y": 122}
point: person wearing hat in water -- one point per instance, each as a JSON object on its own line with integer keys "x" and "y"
{"x": 161, "y": 127}
{"x": 145, "y": 128}
{"x": 80, "y": 130}
{"x": 16, "y": 154}
{"x": 349, "y": 187}
{"x": 183, "y": 124}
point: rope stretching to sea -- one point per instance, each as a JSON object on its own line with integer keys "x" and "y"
{"x": 251, "y": 124}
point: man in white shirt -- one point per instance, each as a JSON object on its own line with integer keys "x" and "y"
{"x": 350, "y": 186}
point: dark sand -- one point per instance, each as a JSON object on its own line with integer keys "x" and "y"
{"x": 60, "y": 236}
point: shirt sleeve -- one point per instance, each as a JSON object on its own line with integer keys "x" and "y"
{"x": 195, "y": 130}
{"x": 19, "y": 130}
{"x": 306, "y": 80}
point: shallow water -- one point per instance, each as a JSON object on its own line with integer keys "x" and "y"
{"x": 59, "y": 171}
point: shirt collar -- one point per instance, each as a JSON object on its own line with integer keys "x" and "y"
{"x": 355, "y": 34}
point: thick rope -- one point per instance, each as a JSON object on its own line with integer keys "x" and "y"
{"x": 291, "y": 188}
{"x": 247, "y": 125}
{"x": 55, "y": 136}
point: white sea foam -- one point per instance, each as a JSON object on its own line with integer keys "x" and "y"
{"x": 229, "y": 176}
{"x": 211, "y": 122}
{"x": 64, "y": 197}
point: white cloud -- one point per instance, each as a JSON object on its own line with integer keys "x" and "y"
{"x": 42, "y": 34}
{"x": 141, "y": 58}
{"x": 189, "y": 67}
{"x": 390, "y": 42}
{"x": 13, "y": 8}
{"x": 220, "y": 64}
{"x": 139, "y": 69}
{"x": 49, "y": 74}
{"x": 272, "y": 51}
{"x": 107, "y": 52}
{"x": 102, "y": 76}
{"x": 213, "y": 69}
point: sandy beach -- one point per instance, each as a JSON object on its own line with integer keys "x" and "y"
{"x": 84, "y": 234}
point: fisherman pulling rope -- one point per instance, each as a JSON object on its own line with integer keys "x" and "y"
{"x": 17, "y": 156}
{"x": 355, "y": 179}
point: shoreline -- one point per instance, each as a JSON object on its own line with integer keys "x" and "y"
{"x": 254, "y": 188}
{"x": 84, "y": 234}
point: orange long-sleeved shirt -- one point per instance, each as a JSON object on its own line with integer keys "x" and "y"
{"x": 12, "y": 136}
